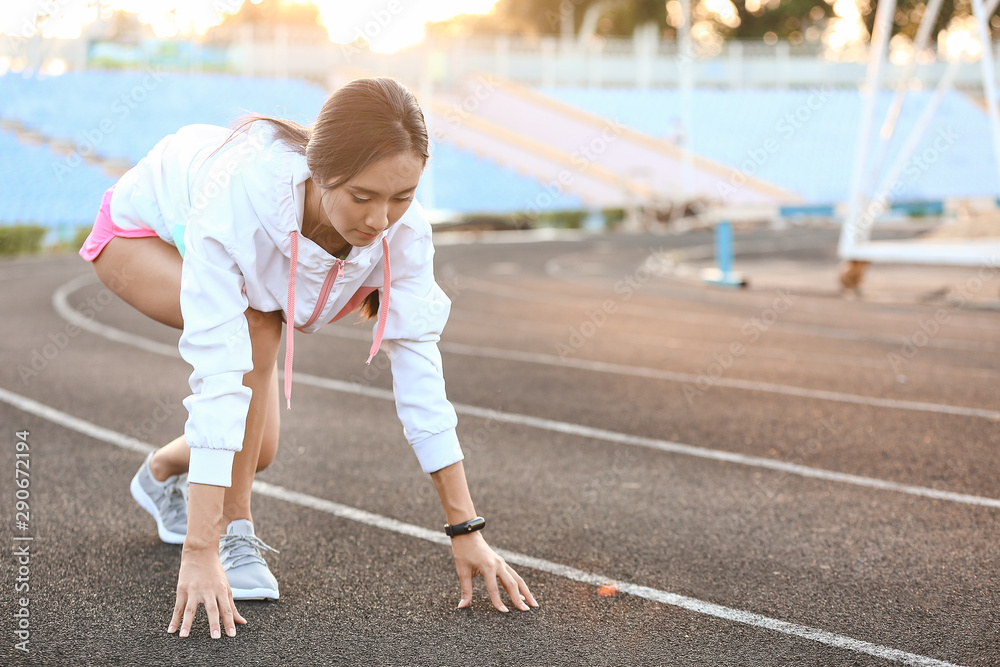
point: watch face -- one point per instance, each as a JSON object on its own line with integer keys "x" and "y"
{"x": 464, "y": 528}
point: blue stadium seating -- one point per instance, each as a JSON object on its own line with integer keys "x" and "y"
{"x": 809, "y": 136}
{"x": 461, "y": 181}
{"x": 122, "y": 114}
{"x": 39, "y": 187}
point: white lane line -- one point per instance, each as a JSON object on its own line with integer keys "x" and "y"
{"x": 556, "y": 426}
{"x": 729, "y": 383}
{"x": 60, "y": 301}
{"x": 692, "y": 379}
{"x": 636, "y": 310}
{"x": 492, "y": 322}
{"x": 387, "y": 523}
{"x": 87, "y": 428}
{"x": 61, "y": 304}
{"x": 687, "y": 253}
{"x": 664, "y": 445}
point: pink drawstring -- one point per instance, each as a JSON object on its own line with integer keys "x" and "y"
{"x": 289, "y": 344}
{"x": 383, "y": 311}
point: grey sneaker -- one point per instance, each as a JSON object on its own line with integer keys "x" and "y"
{"x": 166, "y": 501}
{"x": 246, "y": 571}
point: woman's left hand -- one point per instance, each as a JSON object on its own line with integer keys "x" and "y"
{"x": 473, "y": 557}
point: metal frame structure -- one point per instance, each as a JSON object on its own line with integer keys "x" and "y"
{"x": 867, "y": 201}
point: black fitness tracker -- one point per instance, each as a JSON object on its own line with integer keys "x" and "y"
{"x": 470, "y": 526}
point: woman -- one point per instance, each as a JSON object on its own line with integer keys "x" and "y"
{"x": 225, "y": 235}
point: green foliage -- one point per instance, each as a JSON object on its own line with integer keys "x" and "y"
{"x": 21, "y": 239}
{"x": 540, "y": 16}
{"x": 623, "y": 18}
{"x": 909, "y": 13}
{"x": 545, "y": 16}
{"x": 787, "y": 19}
{"x": 488, "y": 222}
{"x": 79, "y": 237}
{"x": 613, "y": 216}
{"x": 561, "y": 219}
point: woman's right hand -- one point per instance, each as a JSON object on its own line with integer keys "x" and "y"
{"x": 202, "y": 581}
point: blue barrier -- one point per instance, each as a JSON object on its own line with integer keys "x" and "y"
{"x": 723, "y": 274}
{"x": 919, "y": 208}
{"x": 818, "y": 211}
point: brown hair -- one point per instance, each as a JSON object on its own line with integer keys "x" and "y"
{"x": 360, "y": 123}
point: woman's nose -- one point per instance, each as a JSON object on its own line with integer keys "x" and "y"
{"x": 379, "y": 219}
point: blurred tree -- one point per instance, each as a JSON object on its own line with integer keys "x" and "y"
{"x": 272, "y": 11}
{"x": 123, "y": 27}
{"x": 910, "y": 12}
{"x": 794, "y": 20}
{"x": 786, "y": 19}
{"x": 622, "y": 18}
{"x": 612, "y": 17}
{"x": 265, "y": 16}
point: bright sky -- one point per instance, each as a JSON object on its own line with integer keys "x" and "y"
{"x": 388, "y": 25}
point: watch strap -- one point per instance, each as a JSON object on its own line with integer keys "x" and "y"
{"x": 466, "y": 527}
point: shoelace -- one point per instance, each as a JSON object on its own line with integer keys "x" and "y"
{"x": 237, "y": 550}
{"x": 173, "y": 502}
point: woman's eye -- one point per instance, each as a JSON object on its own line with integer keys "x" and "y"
{"x": 404, "y": 199}
{"x": 359, "y": 199}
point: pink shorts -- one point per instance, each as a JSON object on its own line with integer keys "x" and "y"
{"x": 104, "y": 230}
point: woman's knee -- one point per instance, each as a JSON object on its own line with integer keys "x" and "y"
{"x": 110, "y": 273}
{"x": 267, "y": 454}
{"x": 272, "y": 429}
{"x": 146, "y": 274}
{"x": 268, "y": 447}
{"x": 266, "y": 458}
{"x": 265, "y": 330}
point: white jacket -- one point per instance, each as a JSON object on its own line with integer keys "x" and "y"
{"x": 236, "y": 217}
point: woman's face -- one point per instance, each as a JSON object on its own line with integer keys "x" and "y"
{"x": 374, "y": 199}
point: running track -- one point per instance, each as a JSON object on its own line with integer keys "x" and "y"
{"x": 769, "y": 478}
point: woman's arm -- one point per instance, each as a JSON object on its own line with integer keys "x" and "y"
{"x": 201, "y": 579}
{"x": 472, "y": 555}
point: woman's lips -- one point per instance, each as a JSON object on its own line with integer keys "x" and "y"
{"x": 364, "y": 234}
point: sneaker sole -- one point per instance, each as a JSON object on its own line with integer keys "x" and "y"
{"x": 146, "y": 503}
{"x": 254, "y": 594}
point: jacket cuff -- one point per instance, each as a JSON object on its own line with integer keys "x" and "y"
{"x": 438, "y": 451}
{"x": 211, "y": 466}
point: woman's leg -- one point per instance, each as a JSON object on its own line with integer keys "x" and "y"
{"x": 272, "y": 425}
{"x": 146, "y": 274}
{"x": 172, "y": 459}
{"x": 265, "y": 334}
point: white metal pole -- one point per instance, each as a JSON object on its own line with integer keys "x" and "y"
{"x": 687, "y": 88}
{"x": 858, "y": 201}
{"x": 917, "y": 133}
{"x": 919, "y": 44}
{"x": 989, "y": 77}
